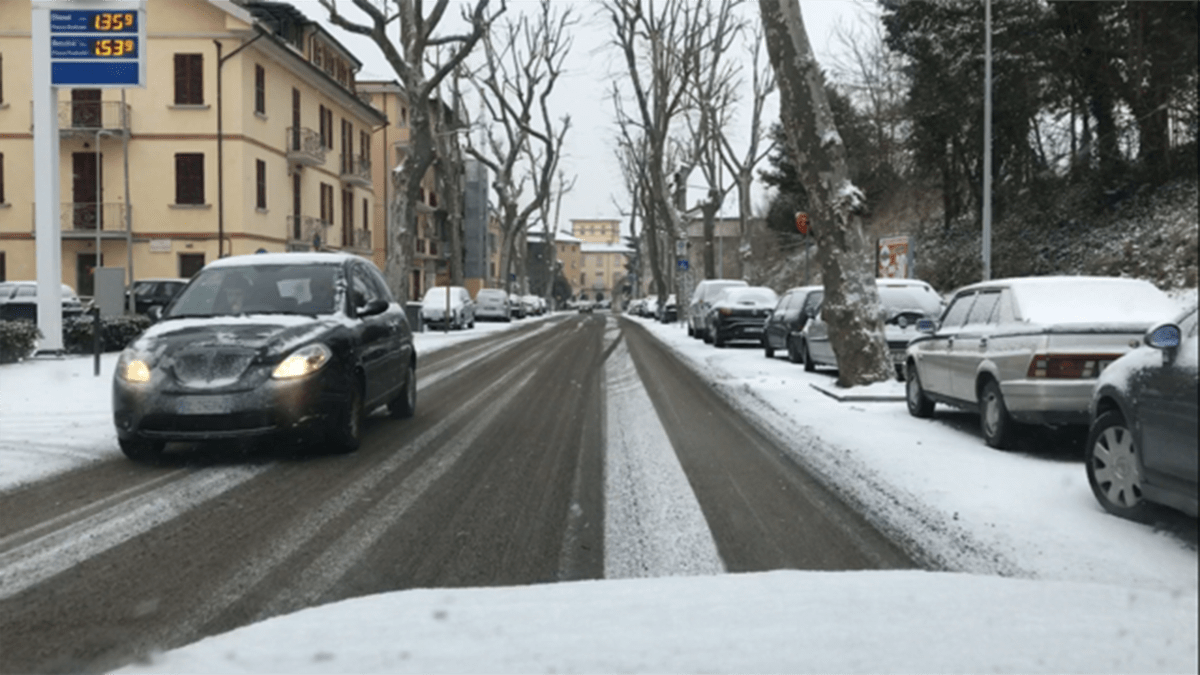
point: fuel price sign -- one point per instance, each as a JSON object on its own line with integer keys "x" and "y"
{"x": 97, "y": 44}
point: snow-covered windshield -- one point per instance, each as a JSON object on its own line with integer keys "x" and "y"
{"x": 259, "y": 289}
{"x": 750, "y": 296}
{"x": 1092, "y": 300}
{"x": 897, "y": 300}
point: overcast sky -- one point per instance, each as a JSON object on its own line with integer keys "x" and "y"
{"x": 598, "y": 191}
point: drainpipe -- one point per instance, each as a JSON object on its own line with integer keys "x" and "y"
{"x": 220, "y": 145}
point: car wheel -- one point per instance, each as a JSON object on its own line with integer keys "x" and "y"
{"x": 768, "y": 350}
{"x": 793, "y": 353}
{"x": 809, "y": 366}
{"x": 919, "y": 405}
{"x": 997, "y": 424}
{"x": 1113, "y": 468}
{"x": 141, "y": 451}
{"x": 348, "y": 434}
{"x": 405, "y": 403}
{"x": 691, "y": 331}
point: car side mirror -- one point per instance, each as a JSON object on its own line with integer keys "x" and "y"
{"x": 926, "y": 325}
{"x": 373, "y": 307}
{"x": 1165, "y": 337}
{"x": 155, "y": 312}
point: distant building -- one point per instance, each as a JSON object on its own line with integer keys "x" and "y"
{"x": 603, "y": 257}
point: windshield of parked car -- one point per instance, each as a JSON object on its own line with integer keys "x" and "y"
{"x": 259, "y": 289}
{"x": 750, "y": 296}
{"x": 899, "y": 300}
{"x": 490, "y": 294}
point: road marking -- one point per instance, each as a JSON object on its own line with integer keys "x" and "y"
{"x": 653, "y": 525}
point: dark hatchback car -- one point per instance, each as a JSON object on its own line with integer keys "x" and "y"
{"x": 151, "y": 293}
{"x": 783, "y": 326}
{"x": 1142, "y": 445}
{"x": 268, "y": 344}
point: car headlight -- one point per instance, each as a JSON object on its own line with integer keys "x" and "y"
{"x": 134, "y": 367}
{"x": 304, "y": 361}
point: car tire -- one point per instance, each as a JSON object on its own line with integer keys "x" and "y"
{"x": 919, "y": 405}
{"x": 404, "y": 405}
{"x": 997, "y": 425}
{"x": 1114, "y": 468}
{"x": 809, "y": 366}
{"x": 768, "y": 350}
{"x": 718, "y": 339}
{"x": 691, "y": 331}
{"x": 140, "y": 450}
{"x": 793, "y": 353}
{"x": 348, "y": 433}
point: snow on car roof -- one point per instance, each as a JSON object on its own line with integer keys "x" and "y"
{"x": 1082, "y": 299}
{"x": 284, "y": 259}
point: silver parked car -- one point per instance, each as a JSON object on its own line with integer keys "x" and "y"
{"x": 1028, "y": 350}
{"x": 1142, "y": 447}
{"x": 904, "y": 303}
{"x": 702, "y": 298}
{"x": 492, "y": 304}
{"x": 448, "y": 307}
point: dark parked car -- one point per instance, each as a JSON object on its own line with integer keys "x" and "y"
{"x": 267, "y": 344}
{"x": 1142, "y": 446}
{"x": 783, "y": 326}
{"x": 18, "y": 300}
{"x": 738, "y": 315}
{"x": 150, "y": 293}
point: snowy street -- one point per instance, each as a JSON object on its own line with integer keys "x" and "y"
{"x": 573, "y": 449}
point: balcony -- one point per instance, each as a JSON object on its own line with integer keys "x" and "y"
{"x": 304, "y": 147}
{"x": 356, "y": 170}
{"x": 306, "y": 233}
{"x": 362, "y": 239}
{"x": 87, "y": 118}
{"x": 80, "y": 220}
{"x": 403, "y": 138}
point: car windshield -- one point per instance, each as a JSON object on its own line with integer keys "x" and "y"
{"x": 259, "y": 289}
{"x": 750, "y": 296}
{"x": 897, "y": 300}
{"x": 490, "y": 294}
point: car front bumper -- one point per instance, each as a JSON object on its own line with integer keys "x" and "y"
{"x": 272, "y": 407}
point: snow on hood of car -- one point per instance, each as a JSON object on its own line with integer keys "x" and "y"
{"x": 282, "y": 333}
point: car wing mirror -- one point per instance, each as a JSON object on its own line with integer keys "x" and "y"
{"x": 373, "y": 307}
{"x": 155, "y": 312}
{"x": 926, "y": 325}
{"x": 1166, "y": 337}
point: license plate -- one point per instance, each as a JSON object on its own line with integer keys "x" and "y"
{"x": 202, "y": 405}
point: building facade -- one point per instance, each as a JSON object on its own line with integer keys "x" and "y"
{"x": 602, "y": 258}
{"x": 249, "y": 136}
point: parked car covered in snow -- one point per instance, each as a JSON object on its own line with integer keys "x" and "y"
{"x": 904, "y": 302}
{"x": 1141, "y": 446}
{"x": 492, "y": 304}
{"x": 702, "y": 298}
{"x": 738, "y": 315}
{"x": 18, "y": 300}
{"x": 1028, "y": 350}
{"x": 257, "y": 345}
{"x": 149, "y": 294}
{"x": 448, "y": 306}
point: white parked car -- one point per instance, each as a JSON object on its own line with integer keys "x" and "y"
{"x": 492, "y": 304}
{"x": 1029, "y": 350}
{"x": 451, "y": 306}
{"x": 702, "y": 298}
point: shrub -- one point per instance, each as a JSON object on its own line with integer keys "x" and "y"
{"x": 115, "y": 333}
{"x": 17, "y": 340}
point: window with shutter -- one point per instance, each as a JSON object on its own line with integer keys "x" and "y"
{"x": 189, "y": 178}
{"x": 189, "y": 79}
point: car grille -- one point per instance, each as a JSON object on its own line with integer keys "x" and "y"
{"x": 243, "y": 421}
{"x": 211, "y": 368}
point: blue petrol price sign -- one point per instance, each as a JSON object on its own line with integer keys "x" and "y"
{"x": 97, "y": 44}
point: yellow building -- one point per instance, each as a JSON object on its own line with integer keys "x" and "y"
{"x": 249, "y": 136}
{"x": 602, "y": 259}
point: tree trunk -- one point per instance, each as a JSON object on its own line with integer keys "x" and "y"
{"x": 851, "y": 305}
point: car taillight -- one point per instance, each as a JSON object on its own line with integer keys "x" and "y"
{"x": 1069, "y": 366}
{"x": 725, "y": 311}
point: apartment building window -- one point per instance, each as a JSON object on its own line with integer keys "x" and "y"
{"x": 260, "y": 184}
{"x": 3, "y": 270}
{"x": 189, "y": 79}
{"x": 2, "y": 178}
{"x": 329, "y": 128}
{"x": 366, "y": 216}
{"x": 364, "y": 145}
{"x": 1, "y": 78}
{"x": 189, "y": 178}
{"x": 347, "y": 217}
{"x": 260, "y": 90}
{"x": 190, "y": 263}
{"x": 347, "y": 147}
{"x": 326, "y": 203}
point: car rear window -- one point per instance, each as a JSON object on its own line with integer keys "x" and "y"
{"x": 1093, "y": 301}
{"x": 921, "y": 299}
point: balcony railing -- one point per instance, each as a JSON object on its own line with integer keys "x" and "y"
{"x": 304, "y": 146}
{"x": 82, "y": 218}
{"x": 306, "y": 233}
{"x": 356, "y": 169}
{"x": 89, "y": 117}
{"x": 362, "y": 239}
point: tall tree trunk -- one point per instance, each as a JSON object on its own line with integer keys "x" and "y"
{"x": 851, "y": 305}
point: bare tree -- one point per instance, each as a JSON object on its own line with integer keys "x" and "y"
{"x": 851, "y": 305}
{"x": 523, "y": 143}
{"x": 417, "y": 29}
{"x": 656, "y": 40}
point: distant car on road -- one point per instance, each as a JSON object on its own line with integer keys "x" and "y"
{"x": 669, "y": 311}
{"x": 150, "y": 293}
{"x": 450, "y": 306}
{"x": 783, "y": 326}
{"x": 738, "y": 314}
{"x": 1141, "y": 446}
{"x": 492, "y": 304}
{"x": 267, "y": 344}
{"x": 18, "y": 300}
{"x": 1028, "y": 350}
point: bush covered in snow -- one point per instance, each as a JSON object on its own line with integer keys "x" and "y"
{"x": 115, "y": 332}
{"x": 17, "y": 340}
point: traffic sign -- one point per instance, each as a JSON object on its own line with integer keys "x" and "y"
{"x": 682, "y": 264}
{"x": 802, "y": 222}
